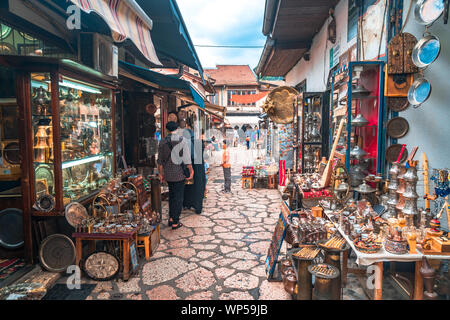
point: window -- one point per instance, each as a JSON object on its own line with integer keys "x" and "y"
{"x": 214, "y": 99}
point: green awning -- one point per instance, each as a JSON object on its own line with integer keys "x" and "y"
{"x": 169, "y": 33}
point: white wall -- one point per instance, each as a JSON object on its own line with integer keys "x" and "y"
{"x": 315, "y": 71}
{"x": 429, "y": 124}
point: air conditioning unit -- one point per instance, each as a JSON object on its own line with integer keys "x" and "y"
{"x": 98, "y": 52}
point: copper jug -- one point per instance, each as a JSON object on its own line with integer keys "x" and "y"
{"x": 290, "y": 281}
{"x": 428, "y": 274}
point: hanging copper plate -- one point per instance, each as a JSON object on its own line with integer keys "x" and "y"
{"x": 398, "y": 104}
{"x": 57, "y": 252}
{"x": 393, "y": 151}
{"x": 151, "y": 108}
{"x": 397, "y": 127}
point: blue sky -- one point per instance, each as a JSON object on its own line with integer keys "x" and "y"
{"x": 225, "y": 22}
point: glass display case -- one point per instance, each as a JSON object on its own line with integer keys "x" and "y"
{"x": 314, "y": 130}
{"x": 86, "y": 137}
{"x": 83, "y": 122}
{"x": 365, "y": 114}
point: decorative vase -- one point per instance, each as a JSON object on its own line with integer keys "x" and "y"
{"x": 428, "y": 274}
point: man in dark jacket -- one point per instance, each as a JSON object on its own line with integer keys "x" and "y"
{"x": 173, "y": 151}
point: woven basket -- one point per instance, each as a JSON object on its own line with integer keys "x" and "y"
{"x": 396, "y": 247}
{"x": 365, "y": 250}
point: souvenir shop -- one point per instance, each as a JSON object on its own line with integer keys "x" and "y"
{"x": 355, "y": 191}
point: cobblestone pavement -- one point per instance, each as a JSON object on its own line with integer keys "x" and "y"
{"x": 219, "y": 254}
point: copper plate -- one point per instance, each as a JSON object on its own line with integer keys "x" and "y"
{"x": 397, "y": 127}
{"x": 101, "y": 266}
{"x": 393, "y": 151}
{"x": 45, "y": 202}
{"x": 12, "y": 153}
{"x": 75, "y": 213}
{"x": 56, "y": 253}
{"x": 398, "y": 104}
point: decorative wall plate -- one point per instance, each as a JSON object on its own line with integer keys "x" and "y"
{"x": 56, "y": 253}
{"x": 398, "y": 104}
{"x": 45, "y": 203}
{"x": 75, "y": 214}
{"x": 101, "y": 266}
{"x": 393, "y": 151}
{"x": 11, "y": 153}
{"x": 11, "y": 228}
{"x": 44, "y": 172}
{"x": 79, "y": 173}
{"x": 397, "y": 127}
{"x": 150, "y": 108}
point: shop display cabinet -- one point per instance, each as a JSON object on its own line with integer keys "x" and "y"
{"x": 313, "y": 129}
{"x": 365, "y": 117}
{"x": 66, "y": 119}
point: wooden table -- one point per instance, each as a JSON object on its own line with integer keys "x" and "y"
{"x": 127, "y": 238}
{"x": 377, "y": 260}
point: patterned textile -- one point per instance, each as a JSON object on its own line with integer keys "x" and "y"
{"x": 9, "y": 266}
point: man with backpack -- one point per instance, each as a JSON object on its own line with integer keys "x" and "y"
{"x": 175, "y": 166}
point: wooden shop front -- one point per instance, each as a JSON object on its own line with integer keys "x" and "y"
{"x": 65, "y": 146}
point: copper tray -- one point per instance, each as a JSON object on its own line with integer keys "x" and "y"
{"x": 393, "y": 151}
{"x": 397, "y": 127}
{"x": 56, "y": 253}
{"x": 398, "y": 104}
{"x": 75, "y": 213}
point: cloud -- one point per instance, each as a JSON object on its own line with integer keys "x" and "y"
{"x": 225, "y": 22}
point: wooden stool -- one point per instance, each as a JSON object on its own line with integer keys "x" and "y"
{"x": 247, "y": 182}
{"x": 272, "y": 181}
{"x": 143, "y": 241}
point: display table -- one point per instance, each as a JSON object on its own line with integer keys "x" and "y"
{"x": 126, "y": 238}
{"x": 378, "y": 258}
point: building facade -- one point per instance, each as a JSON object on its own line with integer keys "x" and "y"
{"x": 237, "y": 88}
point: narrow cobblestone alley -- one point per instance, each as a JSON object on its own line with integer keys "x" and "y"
{"x": 219, "y": 254}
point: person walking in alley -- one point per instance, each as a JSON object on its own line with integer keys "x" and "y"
{"x": 226, "y": 165}
{"x": 174, "y": 174}
{"x": 248, "y": 135}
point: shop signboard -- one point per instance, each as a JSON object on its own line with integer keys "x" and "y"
{"x": 277, "y": 240}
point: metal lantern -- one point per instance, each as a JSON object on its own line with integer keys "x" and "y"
{"x": 357, "y": 152}
{"x": 364, "y": 188}
{"x": 359, "y": 121}
{"x": 359, "y": 91}
{"x": 410, "y": 194}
